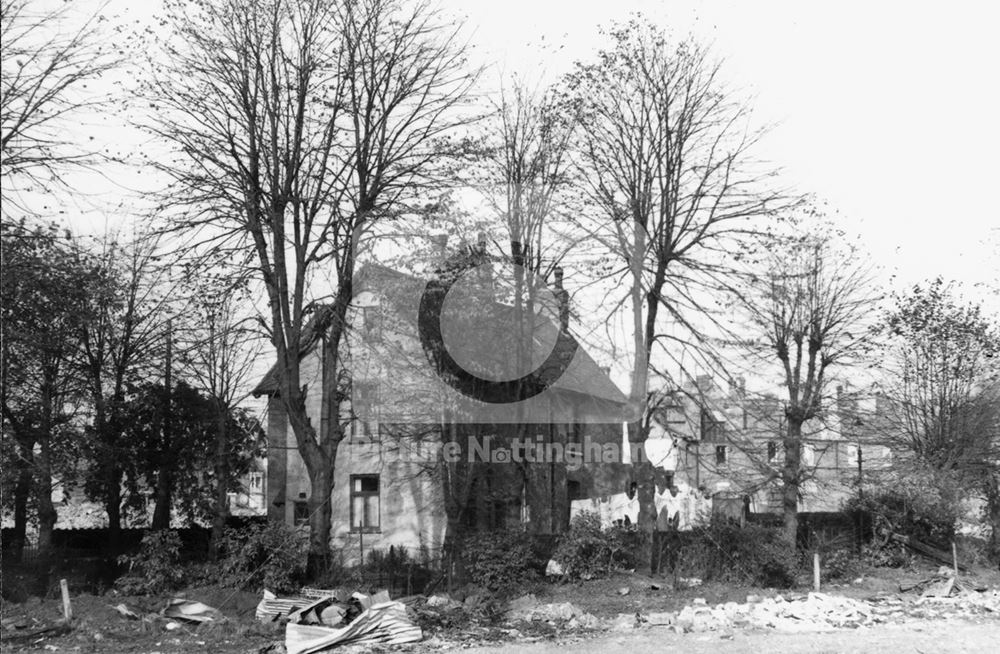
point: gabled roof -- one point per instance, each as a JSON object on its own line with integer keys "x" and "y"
{"x": 583, "y": 377}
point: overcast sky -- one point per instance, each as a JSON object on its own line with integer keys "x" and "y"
{"x": 887, "y": 111}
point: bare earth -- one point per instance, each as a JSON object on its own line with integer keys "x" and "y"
{"x": 927, "y": 638}
{"x": 98, "y": 627}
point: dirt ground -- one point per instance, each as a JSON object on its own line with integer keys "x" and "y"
{"x": 939, "y": 638}
{"x": 100, "y": 628}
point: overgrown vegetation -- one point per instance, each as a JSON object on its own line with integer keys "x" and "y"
{"x": 498, "y": 560}
{"x": 155, "y": 568}
{"x": 724, "y": 551}
{"x": 588, "y": 551}
{"x": 269, "y": 555}
{"x": 923, "y": 504}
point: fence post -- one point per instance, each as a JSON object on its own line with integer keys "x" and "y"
{"x": 67, "y": 607}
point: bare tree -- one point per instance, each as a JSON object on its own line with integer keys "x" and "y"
{"x": 298, "y": 125}
{"x": 808, "y": 311}
{"x": 220, "y": 353}
{"x": 120, "y": 342}
{"x": 49, "y": 68}
{"x": 666, "y": 153}
{"x": 527, "y": 178}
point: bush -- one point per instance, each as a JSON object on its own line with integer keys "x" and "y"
{"x": 922, "y": 503}
{"x": 498, "y": 560}
{"x": 270, "y": 555}
{"x": 892, "y": 556}
{"x": 156, "y": 566}
{"x": 838, "y": 564}
{"x": 587, "y": 551}
{"x": 724, "y": 551}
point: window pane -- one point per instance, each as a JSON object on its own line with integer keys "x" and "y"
{"x": 369, "y": 484}
{"x": 371, "y": 515}
{"x": 357, "y": 511}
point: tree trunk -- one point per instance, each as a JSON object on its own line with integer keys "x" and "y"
{"x": 164, "y": 480}
{"x": 320, "y": 518}
{"x": 993, "y": 511}
{"x": 22, "y": 491}
{"x": 164, "y": 483}
{"x": 113, "y": 506}
{"x": 790, "y": 477}
{"x": 43, "y": 466}
{"x": 221, "y": 486}
{"x": 43, "y": 496}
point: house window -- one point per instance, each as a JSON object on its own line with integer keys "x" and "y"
{"x": 712, "y": 430}
{"x": 365, "y": 401}
{"x": 772, "y": 451}
{"x": 365, "y": 504}
{"x": 372, "y": 323}
{"x": 301, "y": 515}
{"x": 720, "y": 454}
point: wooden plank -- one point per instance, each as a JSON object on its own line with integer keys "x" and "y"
{"x": 67, "y": 607}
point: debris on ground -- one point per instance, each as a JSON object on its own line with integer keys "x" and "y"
{"x": 442, "y": 602}
{"x": 623, "y": 622}
{"x": 566, "y": 614}
{"x": 191, "y": 611}
{"x": 928, "y": 551}
{"x": 823, "y": 612}
{"x": 125, "y": 611}
{"x": 273, "y": 608}
{"x": 384, "y": 623}
{"x": 554, "y": 569}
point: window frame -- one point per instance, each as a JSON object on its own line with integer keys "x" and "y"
{"x": 364, "y": 527}
{"x": 367, "y": 430}
{"x": 372, "y": 318}
{"x": 297, "y": 520}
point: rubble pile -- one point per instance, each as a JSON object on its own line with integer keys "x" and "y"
{"x": 813, "y": 612}
{"x": 566, "y": 614}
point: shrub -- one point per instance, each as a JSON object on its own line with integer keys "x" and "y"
{"x": 270, "y": 555}
{"x": 498, "y": 560}
{"x": 587, "y": 551}
{"x": 838, "y": 564}
{"x": 724, "y": 551}
{"x": 890, "y": 556}
{"x": 922, "y": 503}
{"x": 155, "y": 567}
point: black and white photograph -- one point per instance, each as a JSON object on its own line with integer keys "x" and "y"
{"x": 450, "y": 325}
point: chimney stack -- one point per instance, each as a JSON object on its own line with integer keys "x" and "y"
{"x": 562, "y": 297}
{"x": 440, "y": 245}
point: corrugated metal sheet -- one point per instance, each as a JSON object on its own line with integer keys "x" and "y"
{"x": 382, "y": 624}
